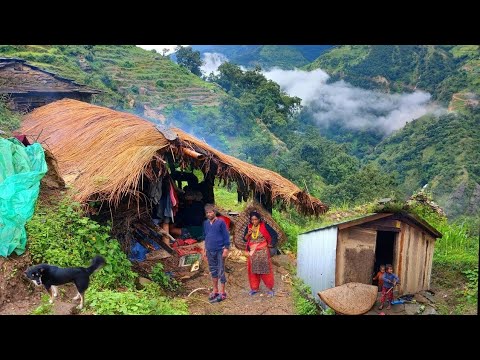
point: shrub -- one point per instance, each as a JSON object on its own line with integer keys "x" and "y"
{"x": 302, "y": 297}
{"x": 9, "y": 120}
{"x": 63, "y": 236}
{"x": 164, "y": 280}
{"x": 144, "y": 302}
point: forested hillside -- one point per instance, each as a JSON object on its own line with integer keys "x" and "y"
{"x": 442, "y": 152}
{"x": 440, "y": 70}
{"x": 248, "y": 116}
{"x": 266, "y": 56}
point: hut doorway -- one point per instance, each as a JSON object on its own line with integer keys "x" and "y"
{"x": 384, "y": 249}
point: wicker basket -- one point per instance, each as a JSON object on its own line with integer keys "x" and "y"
{"x": 351, "y": 298}
{"x": 243, "y": 219}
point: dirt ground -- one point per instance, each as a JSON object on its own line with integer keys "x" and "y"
{"x": 238, "y": 301}
{"x": 19, "y": 296}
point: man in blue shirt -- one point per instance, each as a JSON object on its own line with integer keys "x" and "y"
{"x": 217, "y": 244}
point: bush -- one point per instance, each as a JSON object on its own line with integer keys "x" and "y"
{"x": 63, "y": 236}
{"x": 144, "y": 302}
{"x": 302, "y": 297}
{"x": 45, "y": 308}
{"x": 9, "y": 120}
{"x": 164, "y": 280}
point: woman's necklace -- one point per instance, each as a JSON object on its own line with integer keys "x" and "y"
{"x": 255, "y": 231}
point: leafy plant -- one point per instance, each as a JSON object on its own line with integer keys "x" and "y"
{"x": 471, "y": 289}
{"x": 61, "y": 235}
{"x": 9, "y": 120}
{"x": 45, "y": 308}
{"x": 303, "y": 300}
{"x": 164, "y": 280}
{"x": 143, "y": 302}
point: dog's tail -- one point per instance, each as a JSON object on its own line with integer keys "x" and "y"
{"x": 97, "y": 262}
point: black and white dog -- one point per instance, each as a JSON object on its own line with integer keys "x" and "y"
{"x": 50, "y": 276}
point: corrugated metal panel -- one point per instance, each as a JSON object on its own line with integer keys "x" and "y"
{"x": 316, "y": 255}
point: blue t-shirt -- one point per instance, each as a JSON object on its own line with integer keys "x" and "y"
{"x": 216, "y": 235}
{"x": 389, "y": 279}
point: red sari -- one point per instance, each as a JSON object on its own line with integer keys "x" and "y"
{"x": 259, "y": 264}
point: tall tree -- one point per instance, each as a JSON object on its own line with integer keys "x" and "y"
{"x": 190, "y": 59}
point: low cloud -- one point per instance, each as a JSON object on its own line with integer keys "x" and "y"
{"x": 340, "y": 103}
{"x": 211, "y": 62}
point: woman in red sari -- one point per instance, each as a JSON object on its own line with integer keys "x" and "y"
{"x": 259, "y": 265}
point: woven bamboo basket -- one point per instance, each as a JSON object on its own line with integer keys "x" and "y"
{"x": 351, "y": 298}
{"x": 243, "y": 219}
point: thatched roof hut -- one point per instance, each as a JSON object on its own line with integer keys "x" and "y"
{"x": 104, "y": 154}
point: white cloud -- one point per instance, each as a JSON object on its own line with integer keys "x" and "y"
{"x": 211, "y": 62}
{"x": 353, "y": 107}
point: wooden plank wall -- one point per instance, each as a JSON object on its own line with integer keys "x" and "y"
{"x": 414, "y": 251}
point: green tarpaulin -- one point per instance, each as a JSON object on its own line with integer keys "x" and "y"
{"x": 21, "y": 169}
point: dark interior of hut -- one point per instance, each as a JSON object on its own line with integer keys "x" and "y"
{"x": 384, "y": 249}
{"x": 162, "y": 218}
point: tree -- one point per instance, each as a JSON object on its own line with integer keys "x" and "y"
{"x": 164, "y": 51}
{"x": 190, "y": 59}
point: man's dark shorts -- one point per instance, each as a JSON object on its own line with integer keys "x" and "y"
{"x": 216, "y": 265}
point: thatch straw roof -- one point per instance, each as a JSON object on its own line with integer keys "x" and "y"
{"x": 104, "y": 152}
{"x": 351, "y": 298}
{"x": 260, "y": 179}
{"x": 99, "y": 151}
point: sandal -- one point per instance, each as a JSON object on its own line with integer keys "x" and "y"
{"x": 271, "y": 293}
{"x": 252, "y": 292}
{"x": 212, "y": 296}
{"x": 220, "y": 297}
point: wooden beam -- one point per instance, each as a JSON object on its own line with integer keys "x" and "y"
{"x": 363, "y": 220}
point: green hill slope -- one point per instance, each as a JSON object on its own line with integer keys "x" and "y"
{"x": 439, "y": 70}
{"x": 442, "y": 152}
{"x": 267, "y": 56}
{"x": 129, "y": 76}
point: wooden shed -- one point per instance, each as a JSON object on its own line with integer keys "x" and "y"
{"x": 28, "y": 87}
{"x": 351, "y": 251}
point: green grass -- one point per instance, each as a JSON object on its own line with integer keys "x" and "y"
{"x": 303, "y": 300}
{"x": 45, "y": 308}
{"x": 114, "y": 75}
{"x": 227, "y": 199}
{"x": 59, "y": 234}
{"x": 340, "y": 58}
{"x": 9, "y": 120}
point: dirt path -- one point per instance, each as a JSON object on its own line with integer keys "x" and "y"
{"x": 238, "y": 301}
